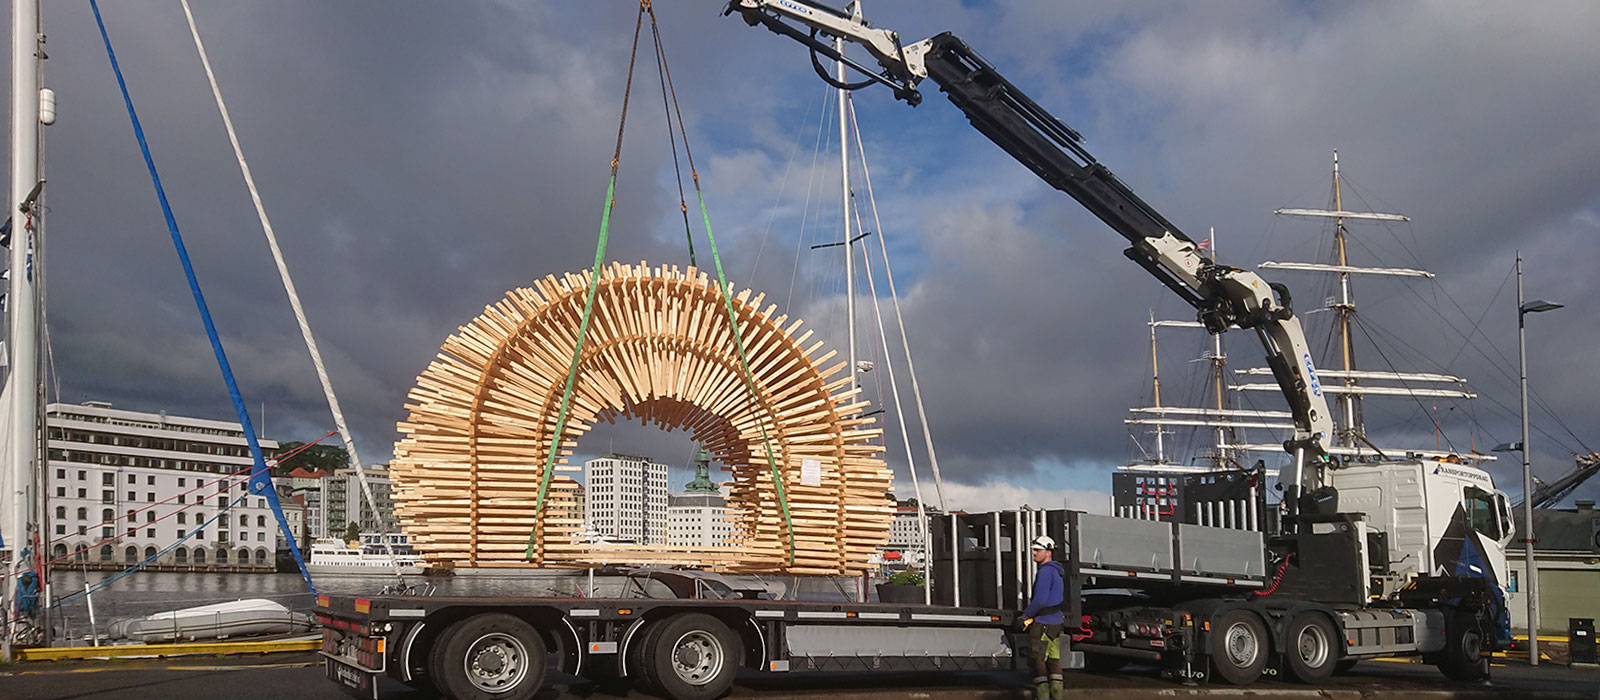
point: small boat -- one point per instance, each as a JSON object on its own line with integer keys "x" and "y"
{"x": 335, "y": 557}
{"x": 239, "y": 618}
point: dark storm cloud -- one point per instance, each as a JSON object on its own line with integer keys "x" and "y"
{"x": 420, "y": 159}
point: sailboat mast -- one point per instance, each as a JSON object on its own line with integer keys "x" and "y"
{"x": 1347, "y": 309}
{"x": 1155, "y": 376}
{"x": 849, "y": 245}
{"x": 23, "y": 379}
{"x": 1219, "y": 362}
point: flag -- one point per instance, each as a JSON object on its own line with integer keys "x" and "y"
{"x": 1204, "y": 245}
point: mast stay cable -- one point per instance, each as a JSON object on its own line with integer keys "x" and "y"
{"x": 294, "y": 296}
{"x": 260, "y": 477}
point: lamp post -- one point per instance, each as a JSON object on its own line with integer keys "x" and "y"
{"x": 1530, "y": 570}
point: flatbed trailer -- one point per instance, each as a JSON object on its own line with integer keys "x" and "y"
{"x": 1202, "y": 603}
{"x": 502, "y": 647}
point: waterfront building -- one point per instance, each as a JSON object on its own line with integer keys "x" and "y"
{"x": 625, "y": 498}
{"x": 306, "y": 485}
{"x": 343, "y": 503}
{"x": 125, "y": 486}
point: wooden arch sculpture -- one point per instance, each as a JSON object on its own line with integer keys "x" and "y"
{"x": 468, "y": 469}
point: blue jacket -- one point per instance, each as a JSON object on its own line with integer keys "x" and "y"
{"x": 1049, "y": 591}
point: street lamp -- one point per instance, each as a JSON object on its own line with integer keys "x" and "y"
{"x": 1530, "y": 570}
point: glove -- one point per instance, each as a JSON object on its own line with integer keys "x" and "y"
{"x": 1020, "y": 624}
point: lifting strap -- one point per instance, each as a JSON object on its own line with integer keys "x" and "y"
{"x": 722, "y": 280}
{"x": 599, "y": 257}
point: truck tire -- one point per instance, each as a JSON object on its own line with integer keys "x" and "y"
{"x": 693, "y": 656}
{"x": 1461, "y": 659}
{"x": 493, "y": 656}
{"x": 1238, "y": 646}
{"x": 639, "y": 654}
{"x": 1311, "y": 648}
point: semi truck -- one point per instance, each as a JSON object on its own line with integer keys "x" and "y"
{"x": 1363, "y": 559}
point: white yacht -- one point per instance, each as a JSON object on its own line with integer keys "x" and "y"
{"x": 371, "y": 556}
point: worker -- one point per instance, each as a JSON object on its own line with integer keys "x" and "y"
{"x": 1043, "y": 619}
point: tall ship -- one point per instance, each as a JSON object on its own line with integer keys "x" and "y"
{"x": 1217, "y": 475}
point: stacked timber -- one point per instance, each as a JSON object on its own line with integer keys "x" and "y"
{"x": 470, "y": 470}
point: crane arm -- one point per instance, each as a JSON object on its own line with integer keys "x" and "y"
{"x": 1222, "y": 296}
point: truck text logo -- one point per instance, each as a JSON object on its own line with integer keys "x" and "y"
{"x": 1311, "y": 374}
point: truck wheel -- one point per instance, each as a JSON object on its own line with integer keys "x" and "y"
{"x": 639, "y": 654}
{"x": 494, "y": 656}
{"x": 694, "y": 657}
{"x": 1312, "y": 649}
{"x": 1463, "y": 648}
{"x": 1238, "y": 647}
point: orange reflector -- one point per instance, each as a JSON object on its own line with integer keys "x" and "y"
{"x": 849, "y": 614}
{"x": 382, "y": 643}
{"x": 994, "y": 618}
{"x": 625, "y": 611}
{"x": 594, "y": 647}
{"x": 322, "y": 601}
{"x": 1206, "y": 626}
{"x": 363, "y": 605}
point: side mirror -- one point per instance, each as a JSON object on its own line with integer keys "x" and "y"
{"x": 1508, "y": 524}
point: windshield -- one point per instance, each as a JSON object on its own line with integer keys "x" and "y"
{"x": 1482, "y": 513}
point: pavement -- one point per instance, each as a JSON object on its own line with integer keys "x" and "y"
{"x": 297, "y": 675}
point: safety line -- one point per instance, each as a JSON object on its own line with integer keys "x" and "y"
{"x": 260, "y": 478}
{"x": 102, "y": 584}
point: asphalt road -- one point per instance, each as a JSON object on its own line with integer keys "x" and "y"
{"x": 300, "y": 676}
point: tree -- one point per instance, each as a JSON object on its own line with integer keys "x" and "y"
{"x": 352, "y": 532}
{"x": 325, "y": 458}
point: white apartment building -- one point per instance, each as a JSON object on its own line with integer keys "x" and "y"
{"x": 125, "y": 486}
{"x": 698, "y": 520}
{"x": 342, "y": 503}
{"x": 625, "y": 498}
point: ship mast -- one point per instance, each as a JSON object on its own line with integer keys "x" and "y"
{"x": 22, "y": 208}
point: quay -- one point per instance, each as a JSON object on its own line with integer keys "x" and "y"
{"x": 298, "y": 675}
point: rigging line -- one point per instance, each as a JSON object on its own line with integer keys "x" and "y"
{"x": 106, "y": 582}
{"x": 1362, "y": 326}
{"x": 772, "y": 213}
{"x": 805, "y": 212}
{"x": 1359, "y": 193}
{"x": 260, "y": 480}
{"x": 911, "y": 367}
{"x": 294, "y": 300}
{"x": 894, "y": 390}
{"x": 677, "y": 171}
{"x": 1505, "y": 362}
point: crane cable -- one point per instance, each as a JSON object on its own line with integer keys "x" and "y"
{"x": 594, "y": 283}
{"x": 722, "y": 281}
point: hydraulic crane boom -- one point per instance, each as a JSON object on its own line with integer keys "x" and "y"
{"x": 1223, "y": 296}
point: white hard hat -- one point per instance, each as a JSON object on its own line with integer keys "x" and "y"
{"x": 1043, "y": 542}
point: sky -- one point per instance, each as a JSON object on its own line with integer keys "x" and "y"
{"x": 419, "y": 159}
